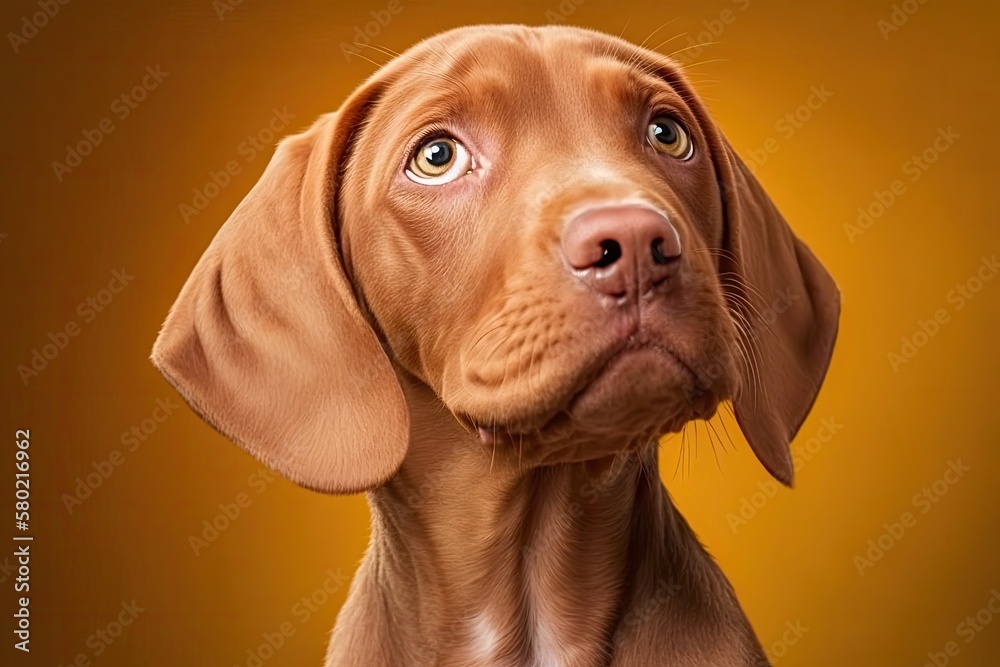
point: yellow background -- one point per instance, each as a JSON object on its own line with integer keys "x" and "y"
{"x": 792, "y": 562}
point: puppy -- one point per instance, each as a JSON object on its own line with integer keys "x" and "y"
{"x": 480, "y": 292}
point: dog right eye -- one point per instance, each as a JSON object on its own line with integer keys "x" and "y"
{"x": 438, "y": 161}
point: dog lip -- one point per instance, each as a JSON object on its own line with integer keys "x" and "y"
{"x": 637, "y": 340}
{"x": 667, "y": 351}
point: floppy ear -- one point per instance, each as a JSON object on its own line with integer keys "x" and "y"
{"x": 789, "y": 309}
{"x": 267, "y": 342}
{"x": 786, "y": 304}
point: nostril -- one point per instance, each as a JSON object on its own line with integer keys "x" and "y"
{"x": 611, "y": 252}
{"x": 657, "y": 251}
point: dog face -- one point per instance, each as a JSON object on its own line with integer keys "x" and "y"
{"x": 531, "y": 222}
{"x": 541, "y": 224}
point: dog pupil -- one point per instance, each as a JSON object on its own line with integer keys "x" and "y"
{"x": 438, "y": 153}
{"x": 665, "y": 133}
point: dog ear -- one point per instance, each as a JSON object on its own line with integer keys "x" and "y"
{"x": 788, "y": 311}
{"x": 786, "y": 305}
{"x": 267, "y": 341}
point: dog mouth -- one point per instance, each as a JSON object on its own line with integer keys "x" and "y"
{"x": 606, "y": 383}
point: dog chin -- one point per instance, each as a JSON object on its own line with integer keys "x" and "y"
{"x": 639, "y": 395}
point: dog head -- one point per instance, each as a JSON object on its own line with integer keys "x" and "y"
{"x": 545, "y": 227}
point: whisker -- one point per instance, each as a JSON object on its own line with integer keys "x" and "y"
{"x": 650, "y": 472}
{"x": 621, "y": 36}
{"x": 364, "y": 57}
{"x": 738, "y": 281}
{"x": 746, "y": 303}
{"x": 742, "y": 286}
{"x": 748, "y": 349}
{"x": 680, "y": 453}
{"x": 622, "y": 33}
{"x": 755, "y": 363}
{"x": 689, "y": 47}
{"x": 707, "y": 62}
{"x": 737, "y": 305}
{"x": 731, "y": 411}
{"x": 378, "y": 49}
{"x": 722, "y": 252}
{"x": 638, "y": 52}
{"x": 387, "y": 50}
{"x": 614, "y": 50}
{"x": 652, "y": 34}
{"x": 722, "y": 422}
{"x": 667, "y": 41}
{"x": 702, "y": 82}
{"x": 715, "y": 453}
{"x": 721, "y": 443}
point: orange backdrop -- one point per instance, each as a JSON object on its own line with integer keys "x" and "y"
{"x": 873, "y": 125}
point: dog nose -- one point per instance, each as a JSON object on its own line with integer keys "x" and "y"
{"x": 618, "y": 248}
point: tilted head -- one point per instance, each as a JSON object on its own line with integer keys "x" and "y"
{"x": 544, "y": 226}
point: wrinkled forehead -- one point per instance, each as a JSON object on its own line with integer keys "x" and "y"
{"x": 521, "y": 77}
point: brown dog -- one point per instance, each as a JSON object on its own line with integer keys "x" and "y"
{"x": 480, "y": 292}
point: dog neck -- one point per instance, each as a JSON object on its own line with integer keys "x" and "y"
{"x": 509, "y": 565}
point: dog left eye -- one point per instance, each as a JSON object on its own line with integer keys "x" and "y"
{"x": 438, "y": 161}
{"x": 669, "y": 137}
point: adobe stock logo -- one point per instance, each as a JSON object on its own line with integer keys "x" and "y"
{"x": 914, "y": 168}
{"x": 787, "y": 126}
{"x": 565, "y": 9}
{"x": 229, "y": 512}
{"x": 713, "y": 29}
{"x": 218, "y": 180}
{"x": 900, "y": 16}
{"x": 37, "y": 21}
{"x": 223, "y": 7}
{"x": 802, "y": 453}
{"x": 957, "y": 298}
{"x": 87, "y": 483}
{"x": 968, "y": 629}
{"x": 122, "y": 107}
{"x": 363, "y": 35}
{"x": 923, "y": 500}
{"x": 790, "y": 637}
{"x": 101, "y": 639}
{"x": 87, "y": 310}
{"x": 302, "y": 611}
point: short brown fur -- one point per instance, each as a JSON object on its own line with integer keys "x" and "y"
{"x": 427, "y": 344}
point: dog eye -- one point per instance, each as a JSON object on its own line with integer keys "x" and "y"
{"x": 438, "y": 161}
{"x": 669, "y": 137}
